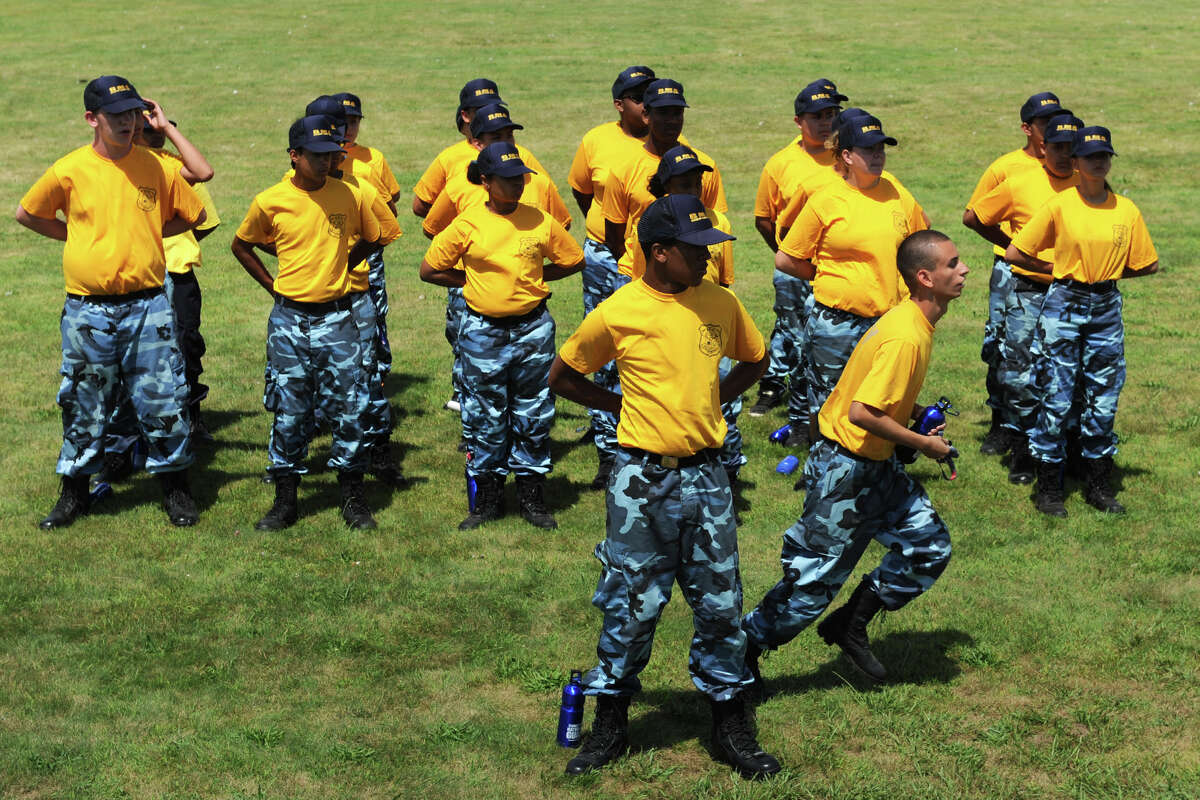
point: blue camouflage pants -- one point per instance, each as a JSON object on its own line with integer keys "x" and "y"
{"x": 456, "y": 308}
{"x": 732, "y": 458}
{"x": 314, "y": 363}
{"x": 117, "y": 350}
{"x": 377, "y": 288}
{"x": 1080, "y": 348}
{"x": 1021, "y": 393}
{"x": 999, "y": 286}
{"x": 786, "y": 365}
{"x": 666, "y": 525}
{"x": 831, "y": 335}
{"x": 850, "y": 501}
{"x": 599, "y": 282}
{"x": 377, "y": 420}
{"x": 507, "y": 405}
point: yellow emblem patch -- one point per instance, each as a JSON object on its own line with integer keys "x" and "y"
{"x": 901, "y": 223}
{"x": 711, "y": 339}
{"x": 147, "y": 198}
{"x": 337, "y": 226}
{"x": 530, "y": 248}
{"x": 1120, "y": 235}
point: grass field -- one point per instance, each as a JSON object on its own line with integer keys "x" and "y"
{"x": 1053, "y": 659}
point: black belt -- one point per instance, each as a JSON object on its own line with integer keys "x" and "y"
{"x": 1024, "y": 284}
{"x": 709, "y": 455}
{"x": 117, "y": 298}
{"x": 841, "y": 314}
{"x": 515, "y": 320}
{"x": 845, "y": 452}
{"x": 1102, "y": 287}
{"x": 341, "y": 304}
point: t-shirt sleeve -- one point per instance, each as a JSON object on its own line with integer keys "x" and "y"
{"x": 184, "y": 202}
{"x": 766, "y": 199}
{"x": 791, "y": 210}
{"x": 441, "y": 215}
{"x": 211, "y": 218}
{"x": 256, "y": 228}
{"x": 591, "y": 346}
{"x": 1141, "y": 249}
{"x": 448, "y": 247}
{"x": 431, "y": 182}
{"x": 713, "y": 191}
{"x": 389, "y": 226}
{"x": 616, "y": 200}
{"x": 745, "y": 341}
{"x": 46, "y": 197}
{"x": 804, "y": 236}
{"x": 580, "y": 176}
{"x": 560, "y": 248}
{"x": 556, "y": 207}
{"x": 1038, "y": 234}
{"x": 994, "y": 205}
{"x": 386, "y": 179}
{"x": 367, "y": 221}
{"x": 887, "y": 382}
{"x": 987, "y": 181}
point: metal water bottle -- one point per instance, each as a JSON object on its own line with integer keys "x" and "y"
{"x": 570, "y": 714}
{"x": 780, "y": 435}
{"x": 788, "y": 465}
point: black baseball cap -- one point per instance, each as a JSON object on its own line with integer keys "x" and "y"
{"x": 1092, "y": 139}
{"x": 351, "y": 104}
{"x": 678, "y": 217}
{"x": 818, "y": 95}
{"x": 1042, "y": 104}
{"x": 112, "y": 94}
{"x": 848, "y": 114}
{"x": 316, "y": 133}
{"x": 1063, "y": 127}
{"x": 490, "y": 118}
{"x": 501, "y": 159}
{"x": 664, "y": 92}
{"x": 328, "y": 105}
{"x": 862, "y": 131}
{"x": 677, "y": 161}
{"x": 630, "y": 79}
{"x": 478, "y": 93}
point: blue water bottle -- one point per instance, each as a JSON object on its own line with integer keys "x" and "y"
{"x": 570, "y": 714}
{"x": 470, "y": 486}
{"x": 788, "y": 465}
{"x": 780, "y": 435}
{"x": 930, "y": 418}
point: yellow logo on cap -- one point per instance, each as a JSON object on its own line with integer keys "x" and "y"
{"x": 1047, "y": 101}
{"x": 637, "y": 74}
{"x": 322, "y": 132}
{"x": 696, "y": 216}
{"x": 497, "y": 115}
{"x": 667, "y": 90}
{"x": 869, "y": 128}
{"x": 684, "y": 157}
{"x": 1095, "y": 137}
{"x": 120, "y": 87}
{"x": 509, "y": 156}
{"x": 484, "y": 91}
{"x": 822, "y": 96}
{"x": 348, "y": 103}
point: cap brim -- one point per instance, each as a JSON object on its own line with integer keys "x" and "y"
{"x": 875, "y": 138}
{"x": 127, "y": 104}
{"x": 494, "y": 128}
{"x": 820, "y": 105}
{"x": 1095, "y": 148}
{"x": 351, "y": 112}
{"x": 706, "y": 237}
{"x": 1048, "y": 112}
{"x": 321, "y": 147}
{"x": 513, "y": 170}
{"x": 667, "y": 102}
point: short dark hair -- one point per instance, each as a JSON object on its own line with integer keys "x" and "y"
{"x": 916, "y": 254}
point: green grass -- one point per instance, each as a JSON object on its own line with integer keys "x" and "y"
{"x": 1053, "y": 659}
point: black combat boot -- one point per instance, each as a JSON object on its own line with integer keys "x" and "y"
{"x": 1021, "y": 464}
{"x": 609, "y": 738}
{"x": 1048, "y": 494}
{"x": 286, "y": 510}
{"x": 489, "y": 501}
{"x": 383, "y": 466}
{"x": 603, "y": 471}
{"x": 117, "y": 466}
{"x": 758, "y": 690}
{"x": 354, "y": 505}
{"x": 847, "y": 628}
{"x": 72, "y": 502}
{"x": 768, "y": 397}
{"x": 734, "y": 743}
{"x": 1099, "y": 491}
{"x": 177, "y": 499}
{"x": 997, "y": 440}
{"x": 531, "y": 495}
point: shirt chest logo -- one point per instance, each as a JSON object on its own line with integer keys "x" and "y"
{"x": 147, "y": 198}
{"x": 530, "y": 249}
{"x": 711, "y": 339}
{"x": 900, "y": 222}
{"x": 1120, "y": 235}
{"x": 337, "y": 226}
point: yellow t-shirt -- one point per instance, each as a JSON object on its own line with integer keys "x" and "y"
{"x": 601, "y": 147}
{"x": 885, "y": 372}
{"x": 312, "y": 233}
{"x": 720, "y": 256}
{"x": 369, "y": 164}
{"x": 785, "y": 173}
{"x": 1091, "y": 243}
{"x": 1014, "y": 202}
{"x": 667, "y": 348}
{"x": 627, "y": 195}
{"x": 851, "y": 236}
{"x": 503, "y": 255}
{"x": 460, "y": 194}
{"x": 1008, "y": 164}
{"x": 453, "y": 159}
{"x": 114, "y": 212}
{"x": 182, "y": 251}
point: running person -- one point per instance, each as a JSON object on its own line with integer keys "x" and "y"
{"x": 670, "y": 511}
{"x": 1098, "y": 237}
{"x": 497, "y": 254}
{"x": 857, "y": 490}
{"x": 118, "y": 201}
{"x": 1035, "y": 113}
{"x": 816, "y": 106}
{"x": 603, "y": 147}
{"x": 845, "y": 241}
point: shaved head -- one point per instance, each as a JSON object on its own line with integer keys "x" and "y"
{"x": 918, "y": 252}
